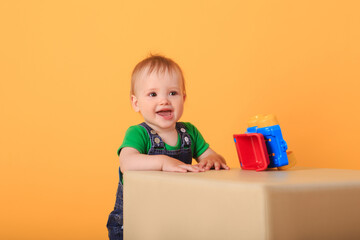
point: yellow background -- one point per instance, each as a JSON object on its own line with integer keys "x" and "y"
{"x": 64, "y": 93}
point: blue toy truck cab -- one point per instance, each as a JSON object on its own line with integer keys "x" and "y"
{"x": 275, "y": 143}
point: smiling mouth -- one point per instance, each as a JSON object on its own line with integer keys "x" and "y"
{"x": 165, "y": 114}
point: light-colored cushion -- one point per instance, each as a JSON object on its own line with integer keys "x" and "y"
{"x": 239, "y": 204}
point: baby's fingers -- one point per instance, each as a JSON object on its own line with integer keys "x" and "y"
{"x": 224, "y": 166}
{"x": 217, "y": 165}
{"x": 180, "y": 169}
{"x": 190, "y": 168}
{"x": 209, "y": 165}
{"x": 195, "y": 167}
{"x": 200, "y": 168}
{"x": 201, "y": 164}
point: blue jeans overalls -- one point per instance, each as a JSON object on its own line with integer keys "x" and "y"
{"x": 184, "y": 154}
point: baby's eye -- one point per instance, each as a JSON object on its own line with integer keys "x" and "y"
{"x": 173, "y": 93}
{"x": 153, "y": 94}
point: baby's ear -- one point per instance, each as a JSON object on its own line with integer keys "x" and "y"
{"x": 134, "y": 103}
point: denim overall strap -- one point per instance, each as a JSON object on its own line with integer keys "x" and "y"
{"x": 156, "y": 141}
{"x": 183, "y": 154}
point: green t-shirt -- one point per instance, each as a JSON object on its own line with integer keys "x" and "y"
{"x": 138, "y": 138}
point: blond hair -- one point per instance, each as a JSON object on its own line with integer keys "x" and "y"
{"x": 157, "y": 64}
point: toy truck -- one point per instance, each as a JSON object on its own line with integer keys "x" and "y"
{"x": 263, "y": 145}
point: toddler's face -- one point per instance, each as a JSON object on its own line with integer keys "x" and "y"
{"x": 160, "y": 100}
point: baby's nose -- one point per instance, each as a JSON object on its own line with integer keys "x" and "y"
{"x": 164, "y": 100}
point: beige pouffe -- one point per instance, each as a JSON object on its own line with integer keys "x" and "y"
{"x": 239, "y": 204}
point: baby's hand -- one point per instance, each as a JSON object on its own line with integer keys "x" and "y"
{"x": 173, "y": 165}
{"x": 210, "y": 159}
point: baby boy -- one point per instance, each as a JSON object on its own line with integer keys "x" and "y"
{"x": 161, "y": 142}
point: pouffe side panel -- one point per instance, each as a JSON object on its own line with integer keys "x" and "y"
{"x": 161, "y": 208}
{"x": 314, "y": 211}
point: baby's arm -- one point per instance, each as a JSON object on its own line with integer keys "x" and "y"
{"x": 132, "y": 159}
{"x": 210, "y": 159}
